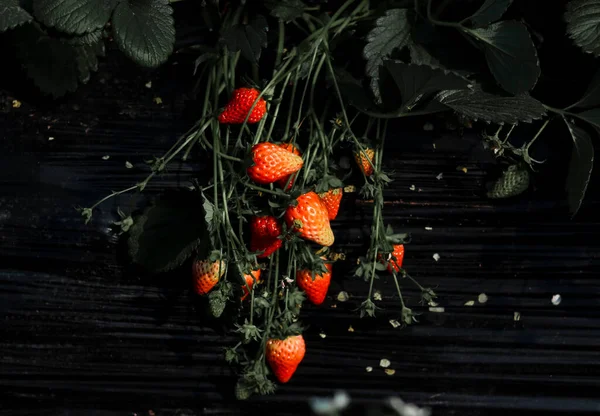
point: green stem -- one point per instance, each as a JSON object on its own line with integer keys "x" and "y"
{"x": 265, "y": 190}
{"x": 537, "y": 134}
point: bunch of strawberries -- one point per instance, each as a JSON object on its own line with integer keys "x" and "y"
{"x": 309, "y": 216}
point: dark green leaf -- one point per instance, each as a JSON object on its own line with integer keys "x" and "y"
{"x": 591, "y": 116}
{"x": 208, "y": 54}
{"x": 12, "y": 15}
{"x": 420, "y": 56}
{"x": 591, "y": 98}
{"x": 391, "y": 32}
{"x": 352, "y": 90}
{"x": 583, "y": 21}
{"x": 86, "y": 39}
{"x": 510, "y": 54}
{"x": 74, "y": 16}
{"x": 87, "y": 59}
{"x": 166, "y": 234}
{"x": 479, "y": 105}
{"x": 248, "y": 38}
{"x": 418, "y": 82}
{"x": 580, "y": 168}
{"x": 490, "y": 11}
{"x": 286, "y": 10}
{"x": 144, "y": 30}
{"x": 51, "y": 64}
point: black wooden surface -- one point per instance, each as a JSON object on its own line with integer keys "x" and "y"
{"x": 82, "y": 333}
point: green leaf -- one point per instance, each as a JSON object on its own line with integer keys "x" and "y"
{"x": 591, "y": 116}
{"x": 580, "y": 167}
{"x": 248, "y": 38}
{"x": 167, "y": 232}
{"x": 591, "y": 98}
{"x": 144, "y": 30}
{"x": 12, "y": 15}
{"x": 490, "y": 11}
{"x": 352, "y": 90}
{"x": 87, "y": 59}
{"x": 90, "y": 38}
{"x": 286, "y": 10}
{"x": 510, "y": 54}
{"x": 479, "y": 105}
{"x": 55, "y": 67}
{"x": 418, "y": 82}
{"x": 583, "y": 21}
{"x": 74, "y": 16}
{"x": 391, "y": 32}
{"x": 420, "y": 56}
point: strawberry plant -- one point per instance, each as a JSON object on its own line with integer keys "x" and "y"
{"x": 288, "y": 88}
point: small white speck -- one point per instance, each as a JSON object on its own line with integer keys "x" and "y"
{"x": 440, "y": 176}
{"x": 350, "y": 329}
{"x": 517, "y": 316}
{"x": 470, "y": 303}
{"x": 323, "y": 335}
{"x": 343, "y": 296}
{"x": 428, "y": 126}
{"x": 394, "y": 323}
{"x": 428, "y": 228}
{"x": 389, "y": 371}
{"x": 432, "y": 303}
{"x": 105, "y": 157}
{"x": 128, "y": 165}
{"x": 556, "y": 299}
{"x": 436, "y": 257}
{"x": 482, "y": 298}
{"x": 437, "y": 309}
{"x": 50, "y": 138}
{"x": 369, "y": 369}
{"x": 377, "y": 295}
{"x": 385, "y": 363}
{"x": 148, "y": 84}
{"x": 412, "y": 187}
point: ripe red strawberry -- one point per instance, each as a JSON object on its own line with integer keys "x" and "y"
{"x": 395, "y": 264}
{"x": 284, "y": 356}
{"x": 241, "y": 102}
{"x": 331, "y": 199}
{"x": 311, "y": 219}
{"x": 316, "y": 289}
{"x": 206, "y": 275}
{"x": 283, "y": 181}
{"x": 363, "y": 162}
{"x": 265, "y": 231}
{"x": 272, "y": 162}
{"x": 251, "y": 278}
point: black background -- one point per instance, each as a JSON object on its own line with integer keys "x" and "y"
{"x": 83, "y": 333}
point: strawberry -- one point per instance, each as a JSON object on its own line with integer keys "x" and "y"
{"x": 513, "y": 181}
{"x": 331, "y": 199}
{"x": 206, "y": 275}
{"x": 265, "y": 231}
{"x": 316, "y": 289}
{"x": 284, "y": 356}
{"x": 311, "y": 218}
{"x": 395, "y": 263}
{"x": 251, "y": 278}
{"x": 241, "y": 102}
{"x": 283, "y": 181}
{"x": 272, "y": 162}
{"x": 363, "y": 162}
